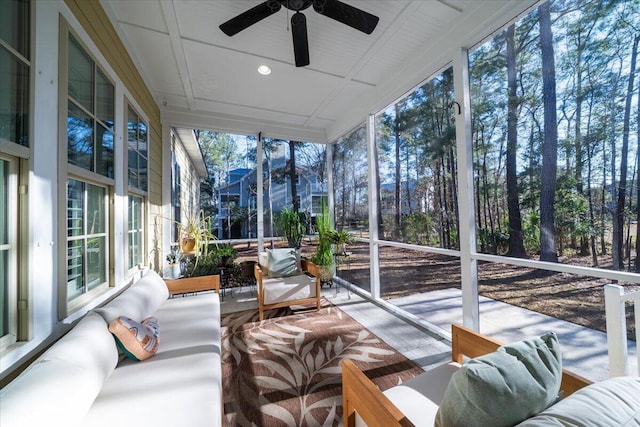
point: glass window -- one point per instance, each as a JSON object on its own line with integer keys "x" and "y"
{"x": 137, "y": 150}
{"x": 14, "y": 71}
{"x": 91, "y": 113}
{"x": 87, "y": 254}
{"x": 135, "y": 231}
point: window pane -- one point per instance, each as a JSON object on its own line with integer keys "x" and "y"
{"x": 95, "y": 209}
{"x": 14, "y": 28}
{"x": 96, "y": 261}
{"x": 4, "y": 292}
{"x": 133, "y": 168}
{"x": 75, "y": 208}
{"x": 14, "y": 99}
{"x": 104, "y": 160}
{"x": 80, "y": 76}
{"x": 79, "y": 138}
{"x": 142, "y": 173}
{"x": 75, "y": 268}
{"x": 104, "y": 96}
{"x": 142, "y": 139}
{"x": 134, "y": 249}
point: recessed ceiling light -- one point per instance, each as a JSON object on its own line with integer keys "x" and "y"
{"x": 264, "y": 70}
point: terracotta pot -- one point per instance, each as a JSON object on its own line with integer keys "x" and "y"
{"x": 188, "y": 245}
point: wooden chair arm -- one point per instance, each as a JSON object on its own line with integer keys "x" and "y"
{"x": 193, "y": 284}
{"x": 373, "y": 406}
{"x": 310, "y": 267}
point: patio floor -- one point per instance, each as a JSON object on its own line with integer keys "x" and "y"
{"x": 584, "y": 349}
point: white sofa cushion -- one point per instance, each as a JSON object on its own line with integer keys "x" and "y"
{"x": 290, "y": 288}
{"x": 181, "y": 385}
{"x": 613, "y": 402}
{"x": 139, "y": 301}
{"x": 59, "y": 388}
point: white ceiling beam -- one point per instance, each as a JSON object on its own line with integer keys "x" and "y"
{"x": 171, "y": 21}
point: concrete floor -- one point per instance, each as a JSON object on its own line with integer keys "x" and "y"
{"x": 584, "y": 350}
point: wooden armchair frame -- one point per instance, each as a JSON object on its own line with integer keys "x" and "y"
{"x": 307, "y": 266}
{"x": 361, "y": 395}
{"x": 194, "y": 284}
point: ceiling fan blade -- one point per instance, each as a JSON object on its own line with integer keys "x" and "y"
{"x": 246, "y": 19}
{"x": 300, "y": 41}
{"x": 348, "y": 15}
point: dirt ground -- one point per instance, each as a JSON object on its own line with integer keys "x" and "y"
{"x": 570, "y": 297}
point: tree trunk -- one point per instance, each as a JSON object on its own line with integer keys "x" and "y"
{"x": 550, "y": 142}
{"x": 637, "y": 261}
{"x": 516, "y": 247}
{"x": 618, "y": 219}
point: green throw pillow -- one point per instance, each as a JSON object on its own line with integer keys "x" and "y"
{"x": 283, "y": 262}
{"x": 505, "y": 387}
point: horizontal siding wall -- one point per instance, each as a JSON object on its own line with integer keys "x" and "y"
{"x": 97, "y": 24}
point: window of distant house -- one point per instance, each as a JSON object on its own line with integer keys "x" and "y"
{"x": 15, "y": 65}
{"x": 137, "y": 160}
{"x": 90, "y": 121}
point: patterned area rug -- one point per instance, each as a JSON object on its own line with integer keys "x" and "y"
{"x": 286, "y": 370}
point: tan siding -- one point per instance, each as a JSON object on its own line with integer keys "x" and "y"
{"x": 97, "y": 25}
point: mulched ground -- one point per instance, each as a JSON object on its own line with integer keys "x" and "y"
{"x": 570, "y": 297}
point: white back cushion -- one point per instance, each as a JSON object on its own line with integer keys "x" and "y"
{"x": 140, "y": 301}
{"x": 59, "y": 387}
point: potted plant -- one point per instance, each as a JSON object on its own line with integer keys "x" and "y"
{"x": 292, "y": 225}
{"x": 340, "y": 239}
{"x": 174, "y": 258}
{"x": 323, "y": 257}
{"x": 224, "y": 254}
{"x": 195, "y": 234}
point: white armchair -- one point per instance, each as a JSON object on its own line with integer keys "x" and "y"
{"x": 282, "y": 280}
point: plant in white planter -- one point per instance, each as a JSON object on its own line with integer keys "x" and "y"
{"x": 174, "y": 258}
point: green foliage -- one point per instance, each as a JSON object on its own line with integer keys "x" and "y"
{"x": 292, "y": 225}
{"x": 174, "y": 256}
{"x": 223, "y": 250}
{"x": 324, "y": 253}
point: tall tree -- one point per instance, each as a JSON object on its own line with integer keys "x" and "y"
{"x": 550, "y": 141}
{"x": 618, "y": 220}
{"x": 293, "y": 175}
{"x": 516, "y": 247}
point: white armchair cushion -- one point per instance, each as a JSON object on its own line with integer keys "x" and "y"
{"x": 290, "y": 288}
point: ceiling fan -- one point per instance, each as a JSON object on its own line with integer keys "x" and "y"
{"x": 334, "y": 9}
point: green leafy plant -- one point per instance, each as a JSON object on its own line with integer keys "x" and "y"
{"x": 324, "y": 253}
{"x": 174, "y": 256}
{"x": 292, "y": 225}
{"x": 223, "y": 253}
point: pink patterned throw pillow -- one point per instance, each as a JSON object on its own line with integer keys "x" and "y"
{"x": 139, "y": 341}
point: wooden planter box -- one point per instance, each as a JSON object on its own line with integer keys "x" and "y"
{"x": 194, "y": 284}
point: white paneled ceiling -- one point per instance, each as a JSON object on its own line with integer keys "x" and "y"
{"x": 202, "y": 78}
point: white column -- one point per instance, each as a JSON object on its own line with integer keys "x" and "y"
{"x": 374, "y": 267}
{"x": 469, "y": 265}
{"x": 166, "y": 223}
{"x": 260, "y": 197}
{"x": 330, "y": 199}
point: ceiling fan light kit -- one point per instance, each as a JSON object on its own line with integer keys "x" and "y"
{"x": 334, "y": 9}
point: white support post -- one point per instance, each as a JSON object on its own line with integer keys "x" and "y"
{"x": 259, "y": 195}
{"x": 374, "y": 267}
{"x": 616, "y": 330}
{"x": 330, "y": 199}
{"x": 469, "y": 265}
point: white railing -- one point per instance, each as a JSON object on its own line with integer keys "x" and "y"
{"x": 614, "y": 301}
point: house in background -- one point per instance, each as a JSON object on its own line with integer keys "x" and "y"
{"x": 237, "y": 199}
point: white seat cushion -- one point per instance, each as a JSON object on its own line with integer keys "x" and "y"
{"x": 419, "y": 398}
{"x": 290, "y": 288}
{"x": 181, "y": 385}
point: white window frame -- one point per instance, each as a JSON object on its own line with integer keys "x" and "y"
{"x": 139, "y": 231}
{"x": 69, "y": 171}
{"x": 11, "y": 248}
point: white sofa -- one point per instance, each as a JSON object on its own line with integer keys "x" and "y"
{"x": 82, "y": 380}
